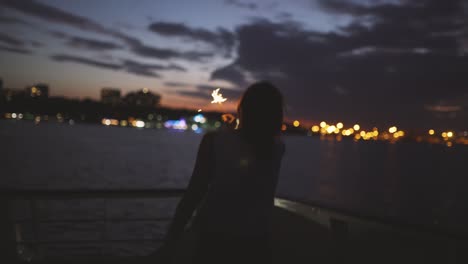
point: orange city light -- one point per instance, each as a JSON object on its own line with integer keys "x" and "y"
{"x": 331, "y": 129}
{"x": 393, "y": 129}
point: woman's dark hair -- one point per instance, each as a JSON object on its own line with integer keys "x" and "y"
{"x": 260, "y": 113}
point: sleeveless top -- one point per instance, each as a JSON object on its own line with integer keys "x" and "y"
{"x": 240, "y": 198}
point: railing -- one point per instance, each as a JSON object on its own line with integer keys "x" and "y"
{"x": 11, "y": 244}
{"x": 309, "y": 209}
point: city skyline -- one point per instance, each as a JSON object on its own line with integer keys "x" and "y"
{"x": 352, "y": 61}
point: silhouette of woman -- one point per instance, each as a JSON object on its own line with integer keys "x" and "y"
{"x": 233, "y": 184}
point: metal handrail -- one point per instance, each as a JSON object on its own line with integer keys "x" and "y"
{"x": 91, "y": 193}
{"x": 362, "y": 217}
{"x": 32, "y": 195}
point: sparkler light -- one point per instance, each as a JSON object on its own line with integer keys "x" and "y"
{"x": 217, "y": 97}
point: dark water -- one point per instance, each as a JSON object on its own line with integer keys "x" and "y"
{"x": 419, "y": 184}
{"x": 406, "y": 183}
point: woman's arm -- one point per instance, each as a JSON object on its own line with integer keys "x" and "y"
{"x": 195, "y": 191}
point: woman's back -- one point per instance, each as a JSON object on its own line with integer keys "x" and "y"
{"x": 240, "y": 197}
{"x": 233, "y": 184}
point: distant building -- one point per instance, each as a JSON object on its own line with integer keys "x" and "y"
{"x": 10, "y": 94}
{"x": 39, "y": 90}
{"x": 143, "y": 98}
{"x": 110, "y": 96}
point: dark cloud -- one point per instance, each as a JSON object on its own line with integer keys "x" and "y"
{"x": 143, "y": 72}
{"x": 221, "y": 38}
{"x": 85, "y": 43}
{"x": 130, "y": 66}
{"x": 176, "y": 84}
{"x": 92, "y": 44}
{"x": 284, "y": 16}
{"x": 348, "y": 7}
{"x": 242, "y": 4}
{"x": 4, "y": 20}
{"x": 175, "y": 67}
{"x": 36, "y": 43}
{"x": 10, "y": 40}
{"x": 86, "y": 61}
{"x": 380, "y": 73}
{"x": 58, "y": 34}
{"x": 52, "y": 14}
{"x": 146, "y": 69}
{"x": 232, "y": 73}
{"x": 160, "y": 53}
{"x": 15, "y": 50}
{"x": 13, "y": 44}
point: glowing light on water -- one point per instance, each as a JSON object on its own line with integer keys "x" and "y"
{"x": 176, "y": 124}
{"x": 217, "y": 97}
{"x": 109, "y": 122}
{"x": 199, "y": 119}
{"x": 139, "y": 124}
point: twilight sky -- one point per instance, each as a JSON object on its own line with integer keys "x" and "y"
{"x": 376, "y": 62}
